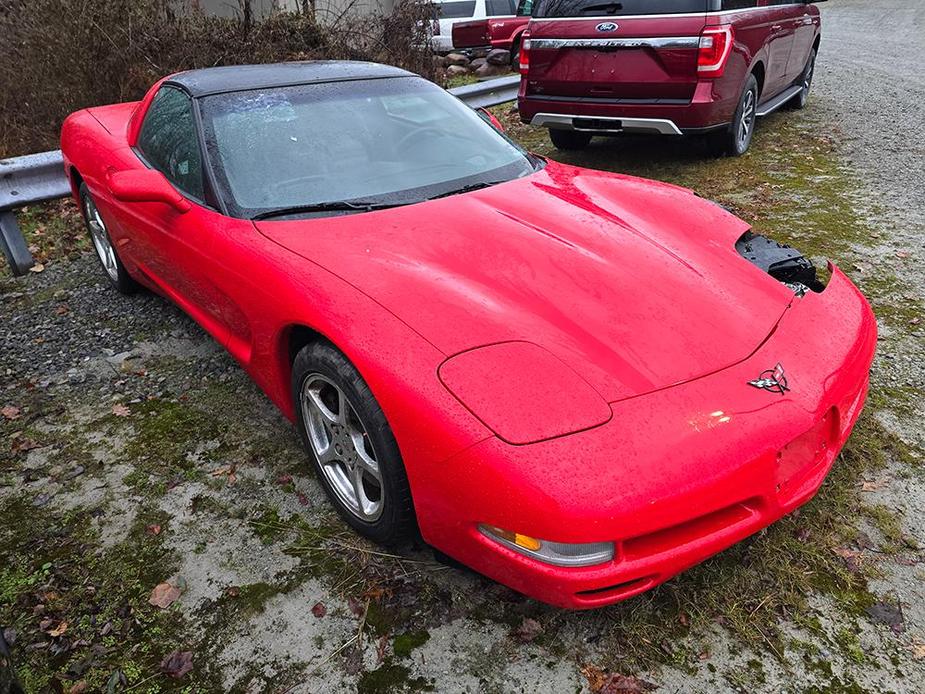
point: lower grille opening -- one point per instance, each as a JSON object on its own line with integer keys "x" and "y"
{"x": 684, "y": 533}
{"x": 625, "y": 587}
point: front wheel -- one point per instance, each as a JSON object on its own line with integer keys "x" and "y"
{"x": 355, "y": 454}
{"x": 102, "y": 244}
{"x": 569, "y": 139}
{"x": 735, "y": 139}
{"x": 806, "y": 81}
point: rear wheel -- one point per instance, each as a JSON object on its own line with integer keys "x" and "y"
{"x": 806, "y": 81}
{"x": 735, "y": 139}
{"x": 102, "y": 244}
{"x": 515, "y": 55}
{"x": 355, "y": 454}
{"x": 569, "y": 139}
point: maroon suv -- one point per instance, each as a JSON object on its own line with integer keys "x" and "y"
{"x": 669, "y": 67}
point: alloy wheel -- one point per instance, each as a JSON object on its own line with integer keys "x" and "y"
{"x": 100, "y": 238}
{"x": 747, "y": 120}
{"x": 341, "y": 443}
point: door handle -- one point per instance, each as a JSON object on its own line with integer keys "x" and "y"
{"x": 775, "y": 27}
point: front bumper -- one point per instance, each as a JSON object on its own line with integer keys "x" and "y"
{"x": 707, "y": 110}
{"x": 676, "y": 475}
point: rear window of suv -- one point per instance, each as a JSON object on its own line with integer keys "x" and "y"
{"x": 604, "y": 8}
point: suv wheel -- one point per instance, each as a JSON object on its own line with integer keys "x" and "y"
{"x": 515, "y": 55}
{"x": 569, "y": 139}
{"x": 806, "y": 81}
{"x": 735, "y": 139}
{"x": 355, "y": 454}
{"x": 105, "y": 250}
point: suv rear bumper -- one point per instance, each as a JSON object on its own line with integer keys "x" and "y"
{"x": 657, "y": 126}
{"x": 705, "y": 111}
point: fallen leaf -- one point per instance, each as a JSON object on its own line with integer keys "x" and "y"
{"x": 356, "y": 606}
{"x": 846, "y": 553}
{"x": 528, "y": 630}
{"x": 303, "y": 500}
{"x": 381, "y": 645}
{"x": 233, "y": 591}
{"x": 626, "y": 684}
{"x": 62, "y": 310}
{"x": 600, "y": 682}
{"x": 164, "y": 595}
{"x": 319, "y": 610}
{"x": 58, "y": 630}
{"x": 24, "y": 444}
{"x": 78, "y": 688}
{"x": 10, "y": 412}
{"x": 872, "y": 485}
{"x": 38, "y": 267}
{"x": 284, "y": 479}
{"x": 914, "y": 321}
{"x": 116, "y": 679}
{"x": 120, "y": 410}
{"x": 918, "y": 651}
{"x": 177, "y": 664}
{"x": 889, "y": 614}
{"x": 595, "y": 677}
{"x": 154, "y": 529}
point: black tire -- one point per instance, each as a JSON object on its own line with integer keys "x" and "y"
{"x": 396, "y": 521}
{"x": 515, "y": 54}
{"x": 569, "y": 139}
{"x": 99, "y": 236}
{"x": 731, "y": 140}
{"x": 799, "y": 102}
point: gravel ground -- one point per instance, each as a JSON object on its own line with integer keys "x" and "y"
{"x": 139, "y": 453}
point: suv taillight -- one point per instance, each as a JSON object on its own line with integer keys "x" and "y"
{"x": 714, "y": 50}
{"x": 525, "y": 54}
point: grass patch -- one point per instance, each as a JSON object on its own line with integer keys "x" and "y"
{"x": 81, "y": 613}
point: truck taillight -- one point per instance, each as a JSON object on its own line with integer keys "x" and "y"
{"x": 525, "y": 54}
{"x": 715, "y": 47}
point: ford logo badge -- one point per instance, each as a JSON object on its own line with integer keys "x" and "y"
{"x": 607, "y": 26}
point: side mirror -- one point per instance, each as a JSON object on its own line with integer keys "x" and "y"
{"x": 489, "y": 117}
{"x": 146, "y": 185}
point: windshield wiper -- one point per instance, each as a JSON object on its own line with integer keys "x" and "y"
{"x": 467, "y": 189}
{"x": 333, "y": 206}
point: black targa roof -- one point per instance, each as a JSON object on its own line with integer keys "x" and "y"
{"x": 235, "y": 78}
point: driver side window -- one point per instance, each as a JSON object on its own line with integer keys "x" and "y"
{"x": 168, "y": 140}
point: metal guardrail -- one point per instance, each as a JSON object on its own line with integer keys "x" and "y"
{"x": 26, "y": 181}
{"x": 36, "y": 178}
{"x": 490, "y": 92}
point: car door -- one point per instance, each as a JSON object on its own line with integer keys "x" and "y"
{"x": 780, "y": 16}
{"x": 182, "y": 254}
{"x": 806, "y": 22}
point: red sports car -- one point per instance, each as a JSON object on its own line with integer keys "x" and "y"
{"x": 575, "y": 382}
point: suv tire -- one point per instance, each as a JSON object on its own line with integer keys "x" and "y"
{"x": 806, "y": 80}
{"x": 735, "y": 139}
{"x": 569, "y": 139}
{"x": 362, "y": 471}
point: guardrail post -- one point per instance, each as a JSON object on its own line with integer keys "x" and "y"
{"x": 14, "y": 245}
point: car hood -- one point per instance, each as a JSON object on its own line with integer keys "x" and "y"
{"x": 635, "y": 284}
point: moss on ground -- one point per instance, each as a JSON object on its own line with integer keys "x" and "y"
{"x": 81, "y": 613}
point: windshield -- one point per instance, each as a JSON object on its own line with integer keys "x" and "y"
{"x": 383, "y": 142}
{"x": 601, "y": 8}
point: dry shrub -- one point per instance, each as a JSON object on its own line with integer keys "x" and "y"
{"x": 58, "y": 56}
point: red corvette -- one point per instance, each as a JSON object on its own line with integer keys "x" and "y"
{"x": 575, "y": 382}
